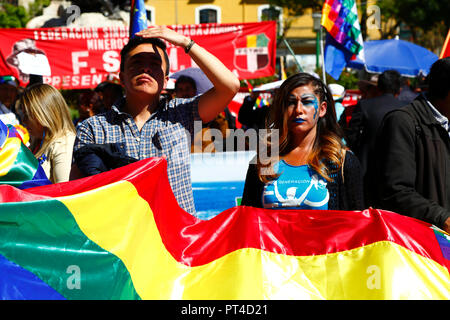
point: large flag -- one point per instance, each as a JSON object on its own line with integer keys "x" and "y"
{"x": 138, "y": 17}
{"x": 344, "y": 40}
{"x": 121, "y": 235}
{"x": 445, "y": 52}
{"x": 18, "y": 166}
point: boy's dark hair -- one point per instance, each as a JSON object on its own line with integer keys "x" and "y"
{"x": 389, "y": 82}
{"x": 439, "y": 79}
{"x": 135, "y": 41}
{"x": 187, "y": 79}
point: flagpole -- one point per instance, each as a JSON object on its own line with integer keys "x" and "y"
{"x": 293, "y": 55}
{"x": 324, "y": 78}
{"x": 133, "y": 5}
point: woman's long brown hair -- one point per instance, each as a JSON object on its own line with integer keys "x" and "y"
{"x": 328, "y": 147}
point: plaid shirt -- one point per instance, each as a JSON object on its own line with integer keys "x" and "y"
{"x": 165, "y": 133}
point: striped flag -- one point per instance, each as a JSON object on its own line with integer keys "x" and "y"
{"x": 18, "y": 166}
{"x": 344, "y": 39}
{"x": 138, "y": 17}
{"x": 121, "y": 235}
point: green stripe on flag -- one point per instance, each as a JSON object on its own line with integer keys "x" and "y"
{"x": 23, "y": 169}
{"x": 44, "y": 238}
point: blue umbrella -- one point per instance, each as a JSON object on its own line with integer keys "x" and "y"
{"x": 407, "y": 58}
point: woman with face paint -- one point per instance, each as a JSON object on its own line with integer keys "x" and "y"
{"x": 303, "y": 163}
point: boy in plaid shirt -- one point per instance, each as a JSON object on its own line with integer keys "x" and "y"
{"x": 141, "y": 124}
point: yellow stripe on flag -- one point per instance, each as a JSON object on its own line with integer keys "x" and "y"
{"x": 120, "y": 221}
{"x": 8, "y": 154}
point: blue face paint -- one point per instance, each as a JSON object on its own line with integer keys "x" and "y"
{"x": 309, "y": 100}
{"x": 298, "y": 120}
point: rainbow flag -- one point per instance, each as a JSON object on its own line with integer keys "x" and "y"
{"x": 344, "y": 39}
{"x": 261, "y": 102}
{"x": 122, "y": 235}
{"x": 23, "y": 133}
{"x": 18, "y": 166}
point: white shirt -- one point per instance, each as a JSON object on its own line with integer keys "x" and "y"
{"x": 440, "y": 118}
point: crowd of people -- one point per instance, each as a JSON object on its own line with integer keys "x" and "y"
{"x": 394, "y": 153}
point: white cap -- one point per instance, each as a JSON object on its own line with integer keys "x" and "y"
{"x": 337, "y": 91}
{"x": 170, "y": 84}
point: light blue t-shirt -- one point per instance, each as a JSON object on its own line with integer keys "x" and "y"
{"x": 297, "y": 187}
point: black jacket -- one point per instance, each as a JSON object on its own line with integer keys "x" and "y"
{"x": 250, "y": 117}
{"x": 96, "y": 158}
{"x": 412, "y": 170}
{"x": 346, "y": 192}
{"x": 363, "y": 126}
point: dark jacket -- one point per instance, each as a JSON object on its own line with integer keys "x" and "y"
{"x": 96, "y": 158}
{"x": 363, "y": 126}
{"x": 346, "y": 192}
{"x": 252, "y": 117}
{"x": 413, "y": 164}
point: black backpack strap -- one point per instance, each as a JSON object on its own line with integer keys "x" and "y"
{"x": 419, "y": 129}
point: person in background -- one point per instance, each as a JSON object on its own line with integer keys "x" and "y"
{"x": 366, "y": 119}
{"x": 46, "y": 116}
{"x": 368, "y": 89}
{"x": 313, "y": 169}
{"x": 35, "y": 78}
{"x": 407, "y": 95}
{"x": 8, "y": 96}
{"x": 89, "y": 104}
{"x": 412, "y": 175}
{"x": 252, "y": 116}
{"x": 109, "y": 91}
{"x": 185, "y": 87}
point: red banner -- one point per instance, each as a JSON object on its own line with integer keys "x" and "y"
{"x": 83, "y": 57}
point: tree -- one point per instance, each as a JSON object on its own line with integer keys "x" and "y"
{"x": 427, "y": 21}
{"x": 13, "y": 16}
{"x": 295, "y": 8}
{"x": 17, "y": 16}
{"x": 419, "y": 16}
{"x": 36, "y": 7}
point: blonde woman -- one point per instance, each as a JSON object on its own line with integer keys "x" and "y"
{"x": 47, "y": 118}
{"x": 312, "y": 168}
